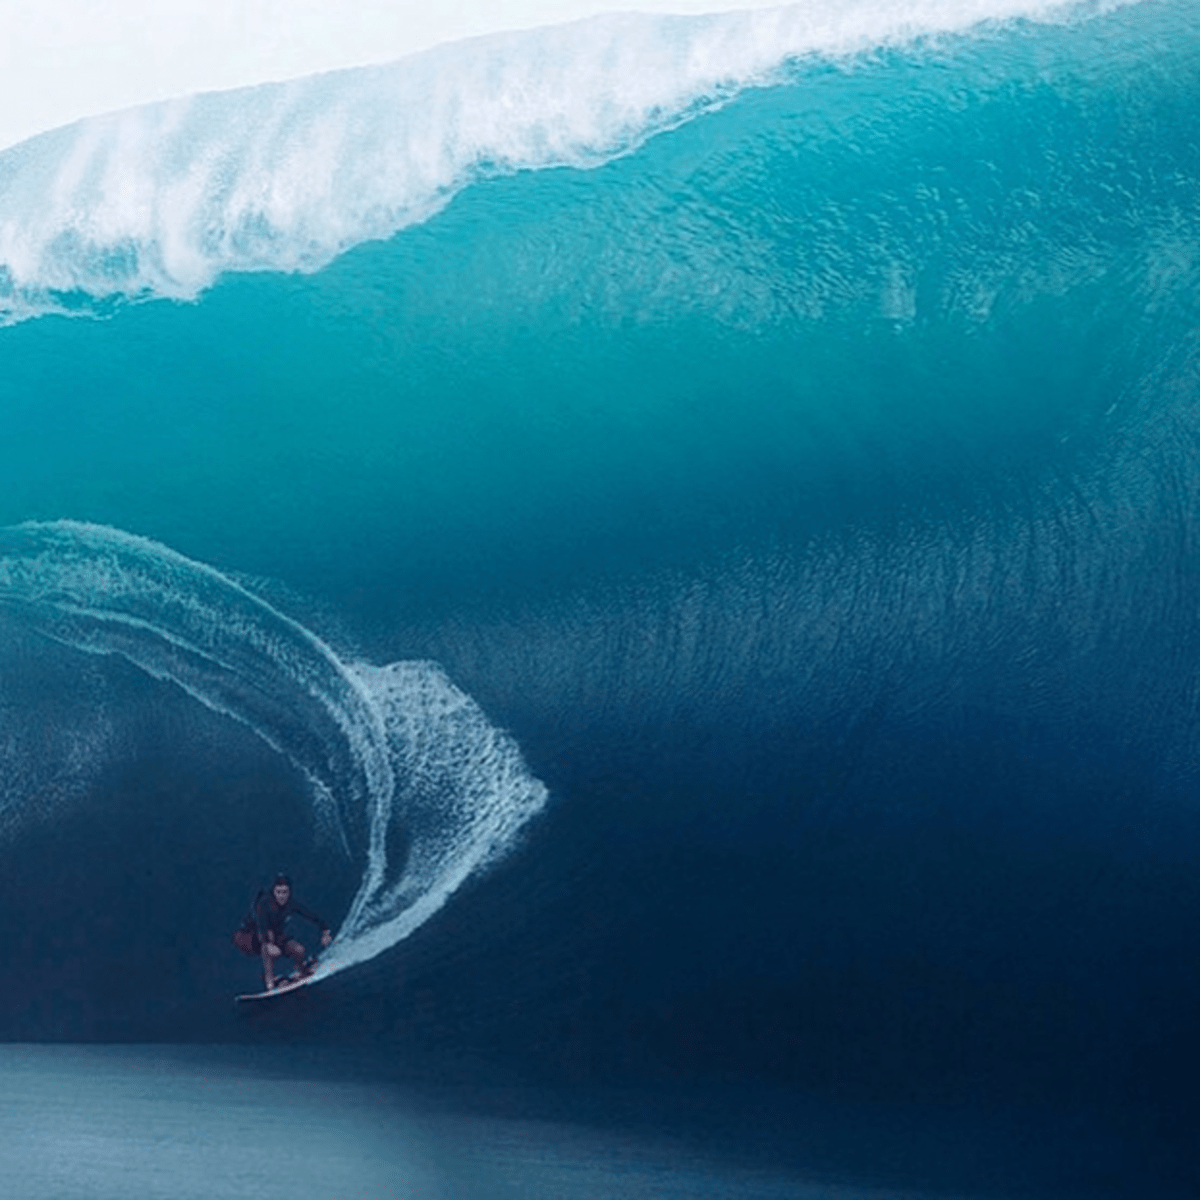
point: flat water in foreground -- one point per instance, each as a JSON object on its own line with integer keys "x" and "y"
{"x": 143, "y": 1122}
{"x": 140, "y": 1123}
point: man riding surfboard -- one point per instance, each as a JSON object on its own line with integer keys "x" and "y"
{"x": 265, "y": 931}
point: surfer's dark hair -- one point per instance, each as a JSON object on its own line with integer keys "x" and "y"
{"x": 283, "y": 878}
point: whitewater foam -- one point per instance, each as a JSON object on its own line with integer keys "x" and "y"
{"x": 159, "y": 200}
{"x": 397, "y": 756}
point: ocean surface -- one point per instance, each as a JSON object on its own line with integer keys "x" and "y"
{"x": 682, "y": 535}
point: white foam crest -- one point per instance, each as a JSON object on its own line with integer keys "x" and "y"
{"x": 421, "y": 789}
{"x": 161, "y": 199}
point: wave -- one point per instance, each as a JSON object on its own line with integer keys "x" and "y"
{"x": 159, "y": 200}
{"x": 407, "y": 774}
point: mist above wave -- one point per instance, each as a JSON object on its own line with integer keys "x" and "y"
{"x": 159, "y": 200}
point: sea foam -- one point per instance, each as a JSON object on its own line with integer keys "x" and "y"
{"x": 159, "y": 200}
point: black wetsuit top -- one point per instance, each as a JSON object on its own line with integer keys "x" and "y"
{"x": 270, "y": 917}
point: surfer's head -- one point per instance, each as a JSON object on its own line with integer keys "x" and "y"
{"x": 281, "y": 888}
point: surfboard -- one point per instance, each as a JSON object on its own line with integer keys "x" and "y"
{"x": 290, "y": 985}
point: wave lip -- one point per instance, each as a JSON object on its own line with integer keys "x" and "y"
{"x": 396, "y": 755}
{"x": 159, "y": 200}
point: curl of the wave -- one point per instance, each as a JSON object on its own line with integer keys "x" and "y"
{"x": 407, "y": 773}
{"x": 159, "y": 200}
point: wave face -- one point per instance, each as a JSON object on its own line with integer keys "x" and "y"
{"x": 792, "y": 447}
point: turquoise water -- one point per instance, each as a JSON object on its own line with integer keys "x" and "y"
{"x": 681, "y": 531}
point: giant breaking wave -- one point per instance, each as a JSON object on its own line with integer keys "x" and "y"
{"x": 159, "y": 200}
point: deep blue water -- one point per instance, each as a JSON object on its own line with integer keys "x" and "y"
{"x": 717, "y": 604}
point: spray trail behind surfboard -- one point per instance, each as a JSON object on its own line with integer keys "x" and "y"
{"x": 395, "y": 755}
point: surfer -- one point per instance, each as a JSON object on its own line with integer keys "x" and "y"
{"x": 265, "y": 930}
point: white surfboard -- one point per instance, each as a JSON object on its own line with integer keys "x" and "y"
{"x": 291, "y": 984}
